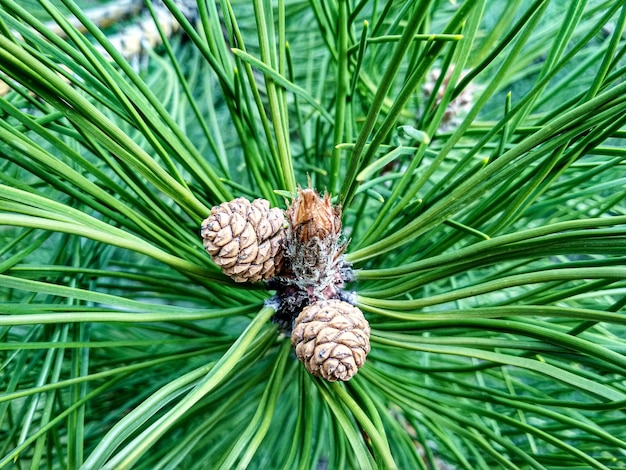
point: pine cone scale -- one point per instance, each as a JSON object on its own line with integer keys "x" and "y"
{"x": 230, "y": 249}
{"x": 263, "y": 229}
{"x": 226, "y": 262}
{"x": 223, "y": 236}
{"x": 248, "y": 254}
{"x": 237, "y": 224}
{"x": 223, "y": 218}
{"x": 263, "y": 252}
{"x": 247, "y": 236}
{"x": 328, "y": 334}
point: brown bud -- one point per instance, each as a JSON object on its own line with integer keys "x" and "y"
{"x": 313, "y": 216}
{"x": 314, "y": 246}
{"x": 331, "y": 338}
{"x": 245, "y": 239}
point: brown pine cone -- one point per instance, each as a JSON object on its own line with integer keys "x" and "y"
{"x": 331, "y": 337}
{"x": 245, "y": 239}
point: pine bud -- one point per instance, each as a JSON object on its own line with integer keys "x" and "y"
{"x": 331, "y": 338}
{"x": 314, "y": 245}
{"x": 245, "y": 239}
{"x": 311, "y": 216}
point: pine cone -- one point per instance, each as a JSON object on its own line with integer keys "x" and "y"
{"x": 245, "y": 239}
{"x": 331, "y": 337}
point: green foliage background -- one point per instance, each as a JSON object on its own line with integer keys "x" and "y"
{"x": 489, "y": 256}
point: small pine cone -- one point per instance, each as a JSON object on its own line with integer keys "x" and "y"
{"x": 245, "y": 239}
{"x": 332, "y": 338}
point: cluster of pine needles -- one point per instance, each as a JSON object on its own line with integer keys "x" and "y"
{"x": 476, "y": 149}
